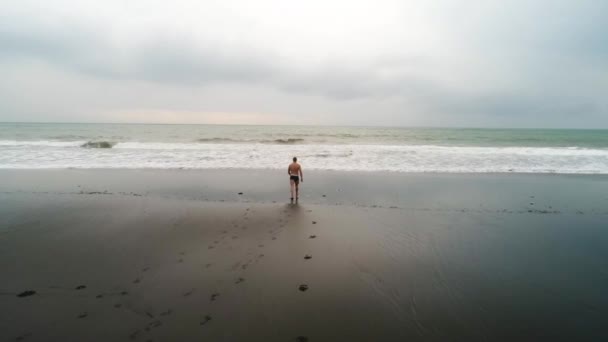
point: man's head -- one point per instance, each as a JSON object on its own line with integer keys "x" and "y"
{"x": 295, "y": 159}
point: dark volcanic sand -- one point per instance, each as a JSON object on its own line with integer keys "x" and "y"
{"x": 396, "y": 257}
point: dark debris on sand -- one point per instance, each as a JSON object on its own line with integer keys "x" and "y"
{"x": 302, "y": 339}
{"x": 81, "y": 287}
{"x": 312, "y": 236}
{"x": 303, "y": 287}
{"x": 26, "y": 293}
{"x": 307, "y": 256}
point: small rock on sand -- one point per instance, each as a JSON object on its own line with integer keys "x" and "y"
{"x": 307, "y": 256}
{"x": 312, "y": 236}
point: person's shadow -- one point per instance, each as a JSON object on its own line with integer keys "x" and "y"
{"x": 294, "y": 208}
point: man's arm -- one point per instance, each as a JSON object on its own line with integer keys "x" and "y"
{"x": 301, "y": 175}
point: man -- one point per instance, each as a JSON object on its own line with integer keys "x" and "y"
{"x": 295, "y": 175}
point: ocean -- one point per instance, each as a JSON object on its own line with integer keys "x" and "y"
{"x": 458, "y": 150}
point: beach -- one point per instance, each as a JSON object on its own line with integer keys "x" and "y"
{"x": 221, "y": 255}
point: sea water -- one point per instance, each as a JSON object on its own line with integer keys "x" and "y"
{"x": 29, "y": 145}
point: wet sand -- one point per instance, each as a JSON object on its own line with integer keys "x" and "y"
{"x": 111, "y": 255}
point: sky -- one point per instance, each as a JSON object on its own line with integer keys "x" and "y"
{"x": 476, "y": 63}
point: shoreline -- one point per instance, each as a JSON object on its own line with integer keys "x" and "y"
{"x": 566, "y": 193}
{"x": 185, "y": 169}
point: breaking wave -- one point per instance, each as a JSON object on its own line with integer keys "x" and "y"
{"x": 409, "y": 158}
{"x": 218, "y": 140}
{"x": 98, "y": 144}
{"x": 284, "y": 141}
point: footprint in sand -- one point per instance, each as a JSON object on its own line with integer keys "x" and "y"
{"x": 124, "y": 293}
{"x": 81, "y": 287}
{"x": 205, "y": 320}
{"x": 166, "y": 313}
{"x": 312, "y": 236}
{"x": 99, "y": 296}
{"x": 23, "y": 336}
{"x": 145, "y": 269}
{"x": 302, "y": 339}
{"x": 314, "y": 222}
{"x": 134, "y": 334}
{"x": 208, "y": 265}
{"x": 152, "y": 325}
{"x": 240, "y": 280}
{"x": 118, "y": 306}
{"x": 137, "y": 280}
{"x": 214, "y": 296}
{"x": 83, "y": 315}
{"x": 303, "y": 287}
{"x": 307, "y": 256}
{"x": 186, "y": 294}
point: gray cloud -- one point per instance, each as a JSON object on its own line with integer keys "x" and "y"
{"x": 552, "y": 69}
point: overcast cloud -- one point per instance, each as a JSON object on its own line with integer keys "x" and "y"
{"x": 430, "y": 63}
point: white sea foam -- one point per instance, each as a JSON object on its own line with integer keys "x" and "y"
{"x": 41, "y": 143}
{"x": 399, "y": 158}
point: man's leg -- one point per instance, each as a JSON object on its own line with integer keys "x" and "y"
{"x": 297, "y": 184}
{"x": 291, "y": 187}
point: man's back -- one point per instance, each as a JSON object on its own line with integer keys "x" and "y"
{"x": 294, "y": 169}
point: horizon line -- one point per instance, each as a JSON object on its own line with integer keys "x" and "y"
{"x": 300, "y": 125}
